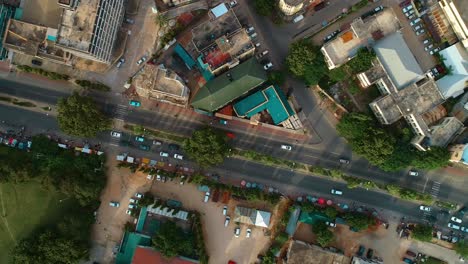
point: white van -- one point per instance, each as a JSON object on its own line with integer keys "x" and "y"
{"x": 298, "y": 18}
{"x": 414, "y": 22}
{"x": 336, "y": 192}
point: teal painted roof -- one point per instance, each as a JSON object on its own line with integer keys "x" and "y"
{"x": 183, "y": 54}
{"x": 229, "y": 86}
{"x": 128, "y": 246}
{"x": 141, "y": 219}
{"x": 271, "y": 99}
{"x": 312, "y": 218}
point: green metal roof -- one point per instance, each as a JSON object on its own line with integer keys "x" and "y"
{"x": 271, "y": 99}
{"x": 128, "y": 246}
{"x": 229, "y": 86}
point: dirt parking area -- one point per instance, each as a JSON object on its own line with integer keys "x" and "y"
{"x": 220, "y": 241}
{"x": 110, "y": 221}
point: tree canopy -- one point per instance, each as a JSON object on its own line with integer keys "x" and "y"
{"x": 384, "y": 149}
{"x": 172, "y": 241}
{"x": 306, "y": 61}
{"x": 264, "y": 7}
{"x": 359, "y": 221}
{"x": 207, "y": 146}
{"x": 462, "y": 248}
{"x": 322, "y": 234}
{"x": 362, "y": 61}
{"x": 422, "y": 233}
{"x": 79, "y": 116}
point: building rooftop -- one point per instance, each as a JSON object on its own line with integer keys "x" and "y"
{"x": 129, "y": 243}
{"x": 24, "y": 36}
{"x": 252, "y": 216}
{"x": 45, "y": 12}
{"x": 271, "y": 99}
{"x": 462, "y": 8}
{"x": 300, "y": 252}
{"x": 158, "y": 78}
{"x": 147, "y": 255}
{"x": 443, "y": 133}
{"x": 76, "y": 28}
{"x": 398, "y": 61}
{"x": 361, "y": 33}
{"x": 416, "y": 99}
{"x": 230, "y": 86}
{"x": 205, "y": 34}
{"x": 456, "y": 57}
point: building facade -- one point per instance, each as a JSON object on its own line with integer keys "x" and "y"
{"x": 291, "y": 7}
{"x": 456, "y": 11}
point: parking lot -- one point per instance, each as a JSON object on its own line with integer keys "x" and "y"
{"x": 220, "y": 241}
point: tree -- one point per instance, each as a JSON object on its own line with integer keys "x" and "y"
{"x": 276, "y": 77}
{"x": 264, "y": 7}
{"x": 146, "y": 200}
{"x": 462, "y": 248}
{"x": 322, "y": 234}
{"x": 161, "y": 20}
{"x": 362, "y": 61}
{"x": 315, "y": 72}
{"x": 422, "y": 233}
{"x": 331, "y": 212}
{"x": 171, "y": 241}
{"x": 434, "y": 158}
{"x": 207, "y": 146}
{"x": 79, "y": 116}
{"x": 303, "y": 54}
{"x": 338, "y": 74}
{"x": 359, "y": 221}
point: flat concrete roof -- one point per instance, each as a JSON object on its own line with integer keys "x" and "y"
{"x": 24, "y": 36}
{"x": 346, "y": 45}
{"x": 398, "y": 61}
{"x": 443, "y": 133}
{"x": 299, "y": 253}
{"x": 158, "y": 78}
{"x": 42, "y": 12}
{"x": 462, "y": 8}
{"x": 76, "y": 28}
{"x": 208, "y": 32}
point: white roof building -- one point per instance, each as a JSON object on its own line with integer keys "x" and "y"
{"x": 456, "y": 58}
{"x": 219, "y": 10}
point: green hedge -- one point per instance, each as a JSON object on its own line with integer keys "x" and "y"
{"x": 50, "y": 75}
{"x": 93, "y": 85}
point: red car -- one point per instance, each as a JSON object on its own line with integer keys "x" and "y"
{"x": 230, "y": 135}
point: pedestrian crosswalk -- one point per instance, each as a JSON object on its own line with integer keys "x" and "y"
{"x": 435, "y": 189}
{"x": 121, "y": 112}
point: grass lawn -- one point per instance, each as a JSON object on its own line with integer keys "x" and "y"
{"x": 24, "y": 207}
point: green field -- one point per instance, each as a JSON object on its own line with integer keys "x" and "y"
{"x": 23, "y": 208}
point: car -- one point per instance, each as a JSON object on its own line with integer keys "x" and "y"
{"x": 120, "y": 62}
{"x": 114, "y": 204}
{"x": 416, "y": 28}
{"x": 330, "y": 224}
{"x": 139, "y": 139}
{"x": 150, "y": 177}
{"x": 286, "y": 147}
{"x": 409, "y": 13}
{"x": 453, "y": 226}
{"x": 129, "y": 20}
{"x": 139, "y": 195}
{"x": 336, "y": 192}
{"x": 407, "y": 8}
{"x": 223, "y": 122}
{"x": 226, "y": 222}
{"x": 434, "y": 51}
{"x": 461, "y": 212}
{"x": 174, "y": 147}
{"x": 426, "y": 41}
{"x": 116, "y": 134}
{"x": 411, "y": 16}
{"x": 420, "y": 32}
{"x": 344, "y": 161}
{"x": 257, "y": 45}
{"x": 464, "y": 229}
{"x": 263, "y": 53}
{"x": 157, "y": 143}
{"x": 407, "y": 260}
{"x": 233, "y": 3}
{"x": 413, "y": 173}
{"x": 414, "y": 22}
{"x": 370, "y": 253}
{"x": 378, "y": 9}
{"x": 411, "y": 253}
{"x": 424, "y": 208}
{"x": 36, "y": 62}
{"x": 207, "y": 197}
{"x": 253, "y": 35}
{"x": 141, "y": 60}
{"x": 131, "y": 206}
{"x": 331, "y": 35}
{"x": 129, "y": 212}
{"x": 456, "y": 219}
{"x": 135, "y": 103}
{"x": 131, "y": 200}
{"x": 225, "y": 210}
{"x": 178, "y": 156}
{"x": 429, "y": 47}
{"x": 250, "y": 29}
{"x": 163, "y": 154}
{"x": 361, "y": 250}
{"x": 267, "y": 66}
{"x": 249, "y": 233}
{"x": 144, "y": 147}
{"x": 158, "y": 177}
{"x": 237, "y": 231}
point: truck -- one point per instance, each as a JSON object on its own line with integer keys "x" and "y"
{"x": 298, "y": 18}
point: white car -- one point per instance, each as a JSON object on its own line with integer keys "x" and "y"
{"x": 249, "y": 233}
{"x": 434, "y": 51}
{"x": 114, "y": 204}
{"x": 116, "y": 134}
{"x": 407, "y": 8}
{"x": 233, "y": 3}
{"x": 413, "y": 173}
{"x": 456, "y": 219}
{"x": 178, "y": 156}
{"x": 420, "y": 32}
{"x": 226, "y": 222}
{"x": 464, "y": 229}
{"x": 424, "y": 208}
{"x": 286, "y": 147}
{"x": 416, "y": 28}
{"x": 453, "y": 226}
{"x": 331, "y": 224}
{"x": 121, "y": 61}
{"x": 409, "y": 13}
{"x": 336, "y": 192}
{"x": 225, "y": 210}
{"x": 267, "y": 66}
{"x": 426, "y": 41}
{"x": 133, "y": 200}
{"x": 237, "y": 231}
{"x": 129, "y": 212}
{"x": 429, "y": 47}
{"x": 131, "y": 206}
{"x": 163, "y": 154}
{"x": 207, "y": 197}
{"x": 158, "y": 177}
{"x": 139, "y": 195}
{"x": 150, "y": 177}
{"x": 141, "y": 60}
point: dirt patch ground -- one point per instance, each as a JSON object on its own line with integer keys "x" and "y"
{"x": 221, "y": 244}
{"x": 110, "y": 221}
